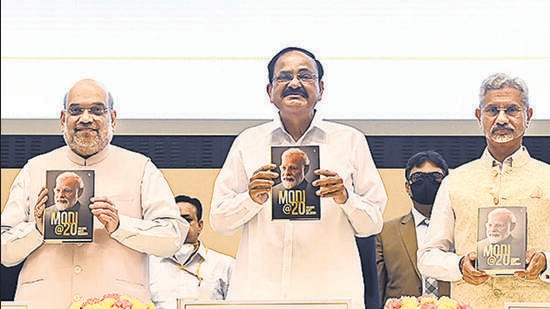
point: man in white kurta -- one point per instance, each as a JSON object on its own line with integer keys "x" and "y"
{"x": 133, "y": 206}
{"x": 298, "y": 260}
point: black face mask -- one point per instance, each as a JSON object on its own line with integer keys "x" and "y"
{"x": 425, "y": 189}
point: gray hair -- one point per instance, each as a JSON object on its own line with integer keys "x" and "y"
{"x": 110, "y": 100}
{"x": 70, "y": 175}
{"x": 504, "y": 211}
{"x": 501, "y": 81}
{"x": 297, "y": 151}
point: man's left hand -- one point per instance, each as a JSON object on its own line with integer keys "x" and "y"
{"x": 107, "y": 213}
{"x": 331, "y": 185}
{"x": 536, "y": 263}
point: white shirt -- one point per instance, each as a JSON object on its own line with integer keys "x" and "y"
{"x": 421, "y": 228}
{"x": 299, "y": 259}
{"x": 206, "y": 275}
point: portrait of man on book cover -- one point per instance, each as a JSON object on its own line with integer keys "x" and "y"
{"x": 502, "y": 239}
{"x": 67, "y": 218}
{"x": 293, "y": 196}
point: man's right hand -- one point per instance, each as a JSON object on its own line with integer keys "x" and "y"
{"x": 39, "y": 209}
{"x": 469, "y": 273}
{"x": 261, "y": 183}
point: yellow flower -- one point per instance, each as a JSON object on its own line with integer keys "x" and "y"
{"x": 424, "y": 302}
{"x": 409, "y": 302}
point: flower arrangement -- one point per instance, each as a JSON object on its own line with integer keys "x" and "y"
{"x": 112, "y": 300}
{"x": 427, "y": 301}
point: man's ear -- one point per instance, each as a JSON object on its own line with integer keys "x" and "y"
{"x": 269, "y": 90}
{"x": 512, "y": 226}
{"x": 306, "y": 169}
{"x": 321, "y": 89}
{"x": 113, "y": 120}
{"x": 478, "y": 116}
{"x": 201, "y": 225}
{"x": 62, "y": 120}
{"x": 408, "y": 188}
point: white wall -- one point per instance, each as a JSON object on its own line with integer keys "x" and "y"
{"x": 207, "y": 59}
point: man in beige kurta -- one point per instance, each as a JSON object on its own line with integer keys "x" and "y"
{"x": 133, "y": 207}
{"x": 505, "y": 175}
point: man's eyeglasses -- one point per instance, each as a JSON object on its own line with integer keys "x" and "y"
{"x": 418, "y": 176}
{"x": 95, "y": 110}
{"x": 286, "y": 77}
{"x": 493, "y": 110}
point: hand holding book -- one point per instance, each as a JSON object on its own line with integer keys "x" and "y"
{"x": 469, "y": 273}
{"x": 536, "y": 264}
{"x": 331, "y": 185}
{"x": 39, "y": 209}
{"x": 106, "y": 212}
{"x": 261, "y": 183}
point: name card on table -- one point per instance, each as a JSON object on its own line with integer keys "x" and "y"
{"x": 527, "y": 306}
{"x": 14, "y": 305}
{"x": 300, "y": 304}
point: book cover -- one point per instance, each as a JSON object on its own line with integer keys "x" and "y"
{"x": 501, "y": 239}
{"x": 293, "y": 197}
{"x": 67, "y": 217}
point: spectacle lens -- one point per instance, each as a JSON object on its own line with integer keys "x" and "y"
{"x": 95, "y": 110}
{"x": 493, "y": 110}
{"x": 419, "y": 176}
{"x": 287, "y": 77}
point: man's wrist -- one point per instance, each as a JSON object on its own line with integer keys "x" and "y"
{"x": 461, "y": 264}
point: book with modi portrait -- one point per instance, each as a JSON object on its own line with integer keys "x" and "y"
{"x": 293, "y": 196}
{"x": 501, "y": 239}
{"x": 67, "y": 217}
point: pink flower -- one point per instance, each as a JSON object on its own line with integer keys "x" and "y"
{"x": 428, "y": 306}
{"x": 111, "y": 295}
{"x": 462, "y": 305}
{"x": 427, "y": 301}
{"x": 393, "y": 303}
{"x": 123, "y": 304}
{"x": 91, "y": 301}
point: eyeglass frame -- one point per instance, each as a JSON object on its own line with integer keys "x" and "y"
{"x": 103, "y": 109}
{"x": 438, "y": 176}
{"x": 298, "y": 76}
{"x": 507, "y": 111}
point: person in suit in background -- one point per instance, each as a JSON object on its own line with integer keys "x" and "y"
{"x": 195, "y": 271}
{"x": 397, "y": 244}
{"x": 289, "y": 260}
{"x": 133, "y": 205}
{"x": 367, "y": 253}
{"x": 505, "y": 175}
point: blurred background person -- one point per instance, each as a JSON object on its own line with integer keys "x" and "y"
{"x": 195, "y": 271}
{"x": 397, "y": 244}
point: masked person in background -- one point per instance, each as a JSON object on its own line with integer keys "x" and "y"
{"x": 195, "y": 271}
{"x": 398, "y": 242}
